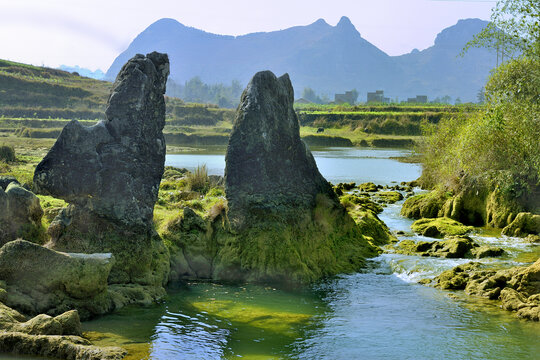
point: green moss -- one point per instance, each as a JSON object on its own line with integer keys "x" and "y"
{"x": 353, "y": 202}
{"x": 426, "y": 205}
{"x": 440, "y": 227}
{"x": 388, "y": 197}
{"x": 323, "y": 243}
{"x": 368, "y": 187}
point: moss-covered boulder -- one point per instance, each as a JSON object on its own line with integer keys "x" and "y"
{"x": 454, "y": 247}
{"x": 427, "y": 205}
{"x": 523, "y": 225}
{"x": 353, "y": 202}
{"x": 284, "y": 222}
{"x": 368, "y": 187}
{"x": 54, "y": 337}
{"x": 388, "y": 197}
{"x": 457, "y": 277}
{"x": 517, "y": 288}
{"x": 440, "y": 227}
{"x": 40, "y": 280}
{"x": 20, "y": 213}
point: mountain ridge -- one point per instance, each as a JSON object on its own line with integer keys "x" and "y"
{"x": 329, "y": 59}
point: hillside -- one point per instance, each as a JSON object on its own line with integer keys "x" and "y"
{"x": 37, "y": 102}
{"x": 327, "y": 58}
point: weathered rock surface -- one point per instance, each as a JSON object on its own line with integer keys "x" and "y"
{"x": 20, "y": 213}
{"x": 53, "y": 337}
{"x": 110, "y": 174}
{"x": 40, "y": 280}
{"x": 523, "y": 225}
{"x": 454, "y": 247}
{"x": 284, "y": 223}
{"x": 440, "y": 227}
{"x": 287, "y": 221}
{"x": 113, "y": 169}
{"x": 269, "y": 170}
{"x": 517, "y": 288}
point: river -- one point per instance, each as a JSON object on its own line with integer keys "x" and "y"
{"x": 380, "y": 313}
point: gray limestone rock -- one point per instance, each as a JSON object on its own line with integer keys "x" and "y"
{"x": 42, "y": 280}
{"x": 113, "y": 169}
{"x": 269, "y": 169}
{"x": 110, "y": 174}
{"x": 20, "y": 213}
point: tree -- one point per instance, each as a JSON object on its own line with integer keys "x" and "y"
{"x": 310, "y": 95}
{"x": 481, "y": 96}
{"x": 514, "y": 28}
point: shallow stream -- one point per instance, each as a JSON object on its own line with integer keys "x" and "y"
{"x": 381, "y": 313}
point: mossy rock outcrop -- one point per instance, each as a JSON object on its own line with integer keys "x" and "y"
{"x": 427, "y": 205}
{"x": 517, "y": 288}
{"x": 523, "y": 225}
{"x": 54, "y": 337}
{"x": 477, "y": 206}
{"x": 440, "y": 227}
{"x": 40, "y": 280}
{"x": 388, "y": 197}
{"x": 284, "y": 222}
{"x": 455, "y": 247}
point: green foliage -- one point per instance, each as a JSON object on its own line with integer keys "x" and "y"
{"x": 498, "y": 146}
{"x": 7, "y": 153}
{"x": 514, "y": 28}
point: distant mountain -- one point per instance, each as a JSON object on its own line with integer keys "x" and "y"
{"x": 98, "y": 74}
{"x": 327, "y": 58}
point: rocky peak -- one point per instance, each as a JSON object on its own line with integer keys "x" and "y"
{"x": 269, "y": 169}
{"x": 345, "y": 25}
{"x": 113, "y": 169}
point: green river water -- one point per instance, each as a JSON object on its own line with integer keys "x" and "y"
{"x": 380, "y": 313}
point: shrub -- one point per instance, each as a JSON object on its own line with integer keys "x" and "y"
{"x": 498, "y": 146}
{"x": 198, "y": 179}
{"x": 7, "y": 153}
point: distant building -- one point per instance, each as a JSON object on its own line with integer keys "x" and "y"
{"x": 377, "y": 97}
{"x": 419, "y": 99}
{"x": 349, "y": 97}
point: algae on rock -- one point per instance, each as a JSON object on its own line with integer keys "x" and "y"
{"x": 440, "y": 227}
{"x": 517, "y": 288}
{"x": 283, "y": 222}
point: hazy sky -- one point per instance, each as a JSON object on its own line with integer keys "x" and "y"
{"x": 92, "y": 33}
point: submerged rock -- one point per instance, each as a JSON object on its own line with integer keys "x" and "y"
{"x": 110, "y": 174}
{"x": 20, "y": 213}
